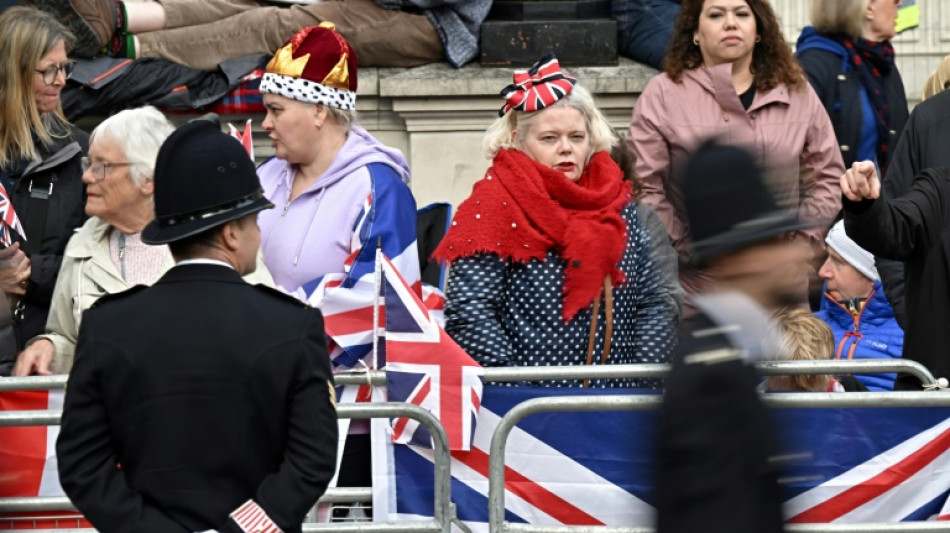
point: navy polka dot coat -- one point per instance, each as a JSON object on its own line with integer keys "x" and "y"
{"x": 506, "y": 313}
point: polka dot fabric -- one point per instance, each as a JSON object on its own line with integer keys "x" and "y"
{"x": 509, "y": 313}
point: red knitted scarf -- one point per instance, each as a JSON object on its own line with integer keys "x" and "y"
{"x": 522, "y": 209}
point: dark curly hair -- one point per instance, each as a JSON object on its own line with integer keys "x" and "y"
{"x": 772, "y": 60}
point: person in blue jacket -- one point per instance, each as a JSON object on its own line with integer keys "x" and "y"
{"x": 855, "y": 307}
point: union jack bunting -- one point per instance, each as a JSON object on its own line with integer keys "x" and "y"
{"x": 538, "y": 87}
{"x": 10, "y": 221}
{"x": 426, "y": 367}
{"x": 849, "y": 465}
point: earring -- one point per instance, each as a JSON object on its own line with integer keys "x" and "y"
{"x": 758, "y": 38}
{"x": 695, "y": 41}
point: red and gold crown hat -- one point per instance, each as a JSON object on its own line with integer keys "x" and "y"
{"x": 316, "y": 66}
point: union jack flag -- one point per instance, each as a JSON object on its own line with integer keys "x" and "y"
{"x": 538, "y": 87}
{"x": 10, "y": 221}
{"x": 349, "y": 299}
{"x": 867, "y": 465}
{"x": 246, "y": 138}
{"x": 426, "y": 367}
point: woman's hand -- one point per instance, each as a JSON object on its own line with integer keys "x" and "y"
{"x": 14, "y": 270}
{"x": 37, "y": 358}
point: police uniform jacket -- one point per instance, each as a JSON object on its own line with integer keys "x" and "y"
{"x": 192, "y": 397}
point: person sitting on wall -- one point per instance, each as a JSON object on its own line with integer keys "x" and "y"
{"x": 202, "y": 33}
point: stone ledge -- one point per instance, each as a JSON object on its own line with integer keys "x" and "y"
{"x": 441, "y": 80}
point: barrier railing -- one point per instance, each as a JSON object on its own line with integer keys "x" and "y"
{"x": 496, "y": 468}
{"x": 443, "y": 515}
{"x": 508, "y": 374}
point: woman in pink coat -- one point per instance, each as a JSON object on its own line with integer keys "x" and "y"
{"x": 729, "y": 74}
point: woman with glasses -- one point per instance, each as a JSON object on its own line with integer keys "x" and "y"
{"x": 106, "y": 255}
{"x": 40, "y": 155}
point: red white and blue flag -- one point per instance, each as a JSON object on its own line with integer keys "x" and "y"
{"x": 425, "y": 367}
{"x": 347, "y": 299}
{"x": 583, "y": 468}
{"x": 10, "y": 222}
{"x": 246, "y": 138}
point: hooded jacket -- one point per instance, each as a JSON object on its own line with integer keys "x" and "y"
{"x": 873, "y": 334}
{"x": 838, "y": 84}
{"x": 305, "y": 239}
{"x": 787, "y": 131}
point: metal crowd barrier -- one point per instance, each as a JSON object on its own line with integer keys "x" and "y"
{"x": 440, "y": 523}
{"x": 496, "y": 466}
{"x": 444, "y": 510}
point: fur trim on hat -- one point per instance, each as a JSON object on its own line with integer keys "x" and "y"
{"x": 308, "y": 91}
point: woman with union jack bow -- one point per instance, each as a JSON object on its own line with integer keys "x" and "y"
{"x": 550, "y": 264}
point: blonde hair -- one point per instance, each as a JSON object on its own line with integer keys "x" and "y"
{"x": 26, "y": 35}
{"x": 839, "y": 16}
{"x": 803, "y": 337}
{"x": 345, "y": 119}
{"x": 500, "y": 134}
{"x": 939, "y": 80}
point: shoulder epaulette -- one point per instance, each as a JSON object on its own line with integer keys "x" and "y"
{"x": 274, "y": 292}
{"x": 119, "y": 295}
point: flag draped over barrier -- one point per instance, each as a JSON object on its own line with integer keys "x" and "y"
{"x": 585, "y": 468}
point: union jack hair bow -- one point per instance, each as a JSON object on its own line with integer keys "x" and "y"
{"x": 538, "y": 87}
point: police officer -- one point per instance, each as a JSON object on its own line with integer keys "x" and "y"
{"x": 202, "y": 402}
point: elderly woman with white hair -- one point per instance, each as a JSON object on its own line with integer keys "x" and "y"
{"x": 550, "y": 264}
{"x": 106, "y": 255}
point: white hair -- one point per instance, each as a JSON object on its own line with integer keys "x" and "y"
{"x": 139, "y": 133}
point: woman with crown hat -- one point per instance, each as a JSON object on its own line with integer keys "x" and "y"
{"x": 550, "y": 264}
{"x": 339, "y": 192}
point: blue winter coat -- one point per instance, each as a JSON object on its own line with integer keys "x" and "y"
{"x": 874, "y": 334}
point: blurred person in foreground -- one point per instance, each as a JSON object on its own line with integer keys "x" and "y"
{"x": 40, "y": 154}
{"x": 913, "y": 228}
{"x": 106, "y": 255}
{"x": 715, "y": 440}
{"x": 854, "y": 305}
{"x": 730, "y": 74}
{"x": 202, "y": 402}
{"x": 550, "y": 264}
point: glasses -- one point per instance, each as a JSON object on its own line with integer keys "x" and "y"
{"x": 50, "y": 72}
{"x": 99, "y": 168}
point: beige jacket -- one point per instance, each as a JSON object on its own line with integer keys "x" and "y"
{"x": 86, "y": 275}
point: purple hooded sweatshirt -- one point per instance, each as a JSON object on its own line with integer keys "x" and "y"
{"x": 312, "y": 236}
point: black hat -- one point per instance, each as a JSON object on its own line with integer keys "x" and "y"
{"x": 203, "y": 179}
{"x": 727, "y": 202}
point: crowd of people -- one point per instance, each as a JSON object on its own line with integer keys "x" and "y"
{"x": 575, "y": 248}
